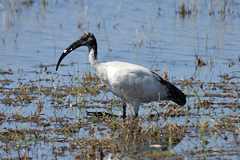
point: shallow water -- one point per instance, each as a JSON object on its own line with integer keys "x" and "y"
{"x": 36, "y": 34}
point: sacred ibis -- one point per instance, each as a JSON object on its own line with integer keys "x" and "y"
{"x": 134, "y": 84}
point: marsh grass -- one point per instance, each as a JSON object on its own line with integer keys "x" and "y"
{"x": 193, "y": 8}
{"x": 106, "y": 36}
{"x": 139, "y": 43}
{"x": 49, "y": 113}
{"x": 109, "y": 134}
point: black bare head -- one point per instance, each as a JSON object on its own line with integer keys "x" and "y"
{"x": 87, "y": 39}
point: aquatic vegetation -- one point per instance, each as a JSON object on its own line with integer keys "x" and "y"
{"x": 72, "y": 127}
{"x": 71, "y": 114}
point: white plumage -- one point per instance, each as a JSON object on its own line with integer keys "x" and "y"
{"x": 134, "y": 84}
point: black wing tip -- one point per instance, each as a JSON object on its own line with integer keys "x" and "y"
{"x": 176, "y": 95}
{"x": 181, "y": 101}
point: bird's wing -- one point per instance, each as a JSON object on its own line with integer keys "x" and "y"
{"x": 129, "y": 80}
{"x": 174, "y": 93}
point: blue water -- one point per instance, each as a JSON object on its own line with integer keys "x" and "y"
{"x": 168, "y": 38}
{"x": 38, "y": 34}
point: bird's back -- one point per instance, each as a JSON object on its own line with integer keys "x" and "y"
{"x": 128, "y": 80}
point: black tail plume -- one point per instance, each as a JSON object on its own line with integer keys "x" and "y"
{"x": 175, "y": 94}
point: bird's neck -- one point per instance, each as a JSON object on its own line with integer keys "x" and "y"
{"x": 93, "y": 56}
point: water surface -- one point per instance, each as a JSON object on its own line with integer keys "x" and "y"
{"x": 33, "y": 35}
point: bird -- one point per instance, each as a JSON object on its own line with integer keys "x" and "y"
{"x": 132, "y": 83}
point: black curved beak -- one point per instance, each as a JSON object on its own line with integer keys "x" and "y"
{"x": 74, "y": 45}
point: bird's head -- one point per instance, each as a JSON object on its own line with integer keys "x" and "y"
{"x": 87, "y": 39}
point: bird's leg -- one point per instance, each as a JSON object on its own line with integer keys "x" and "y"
{"x": 136, "y": 104}
{"x": 124, "y": 111}
{"x": 136, "y": 114}
{"x": 124, "y": 108}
